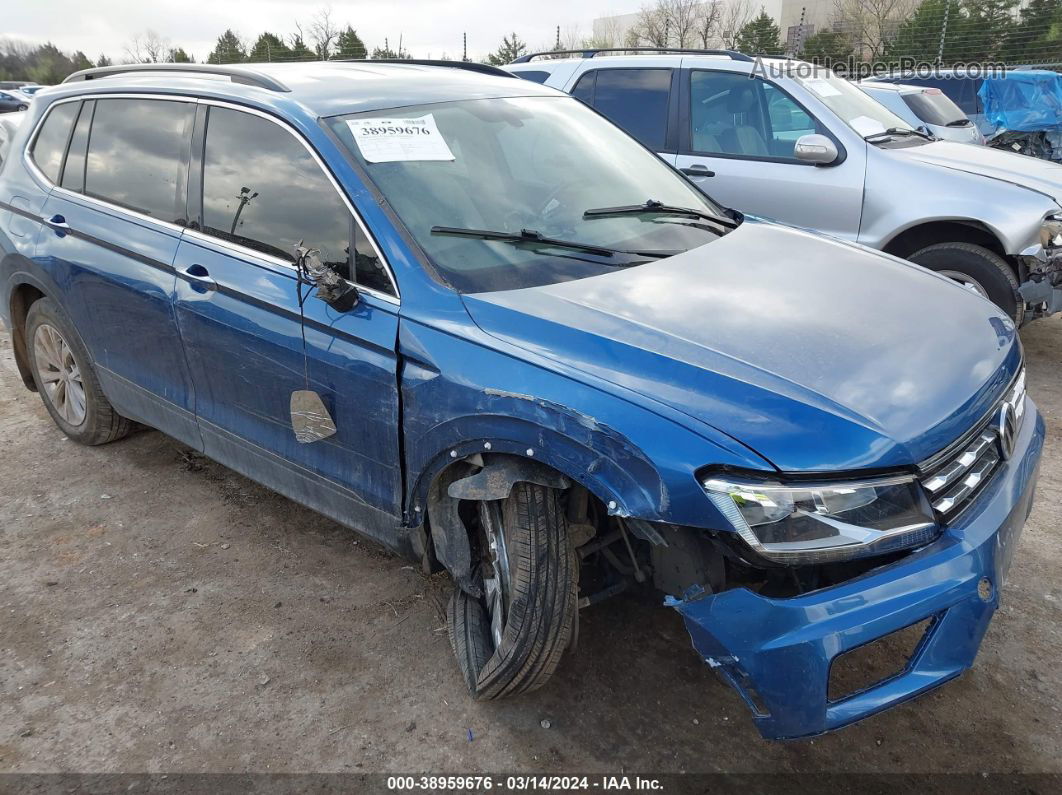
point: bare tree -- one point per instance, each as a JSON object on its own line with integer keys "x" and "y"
{"x": 681, "y": 18}
{"x": 708, "y": 23}
{"x": 670, "y": 23}
{"x": 650, "y": 28}
{"x": 323, "y": 32}
{"x": 871, "y": 24}
{"x": 606, "y": 34}
{"x": 734, "y": 16}
{"x": 148, "y": 47}
{"x": 571, "y": 38}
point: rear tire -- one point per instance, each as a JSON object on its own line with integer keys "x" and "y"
{"x": 543, "y": 579}
{"x": 62, "y": 371}
{"x": 982, "y": 270}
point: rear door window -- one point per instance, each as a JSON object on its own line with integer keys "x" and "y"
{"x": 50, "y": 146}
{"x": 263, "y": 190}
{"x": 634, "y": 99}
{"x": 136, "y": 153}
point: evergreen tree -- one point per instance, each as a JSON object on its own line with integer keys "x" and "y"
{"x": 269, "y": 47}
{"x": 760, "y": 37}
{"x": 986, "y": 24}
{"x": 1037, "y": 35}
{"x": 385, "y": 53}
{"x": 298, "y": 51}
{"x": 229, "y": 49}
{"x": 350, "y": 45}
{"x": 511, "y": 48}
{"x": 178, "y": 55}
{"x": 103, "y": 60}
{"x": 827, "y": 47}
{"x": 919, "y": 38}
{"x": 81, "y": 61}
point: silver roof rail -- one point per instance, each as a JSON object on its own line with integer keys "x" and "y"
{"x": 237, "y": 74}
{"x": 470, "y": 66}
{"x": 590, "y": 52}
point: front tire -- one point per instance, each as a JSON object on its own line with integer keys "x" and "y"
{"x": 62, "y": 371}
{"x": 978, "y": 269}
{"x": 511, "y": 640}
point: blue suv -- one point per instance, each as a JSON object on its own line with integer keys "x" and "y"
{"x": 465, "y": 315}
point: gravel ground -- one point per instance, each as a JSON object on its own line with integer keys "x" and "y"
{"x": 159, "y": 613}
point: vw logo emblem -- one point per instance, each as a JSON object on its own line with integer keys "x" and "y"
{"x": 1008, "y": 430}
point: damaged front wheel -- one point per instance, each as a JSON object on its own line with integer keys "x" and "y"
{"x": 511, "y": 639}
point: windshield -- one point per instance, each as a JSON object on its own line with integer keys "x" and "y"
{"x": 862, "y": 113}
{"x": 526, "y": 163}
{"x": 932, "y": 106}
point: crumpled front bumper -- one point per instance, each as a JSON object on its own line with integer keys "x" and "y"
{"x": 777, "y": 653}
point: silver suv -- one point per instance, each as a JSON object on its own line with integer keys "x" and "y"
{"x": 785, "y": 140}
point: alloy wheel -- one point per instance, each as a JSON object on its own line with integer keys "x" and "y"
{"x": 496, "y": 568}
{"x": 60, "y": 374}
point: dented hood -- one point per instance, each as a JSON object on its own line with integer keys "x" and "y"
{"x": 817, "y": 354}
{"x": 1033, "y": 173}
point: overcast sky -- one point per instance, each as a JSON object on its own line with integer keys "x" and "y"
{"x": 105, "y": 26}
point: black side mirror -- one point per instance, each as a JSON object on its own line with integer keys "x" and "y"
{"x": 332, "y": 288}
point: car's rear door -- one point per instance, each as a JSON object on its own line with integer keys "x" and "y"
{"x": 112, "y": 223}
{"x": 262, "y": 191}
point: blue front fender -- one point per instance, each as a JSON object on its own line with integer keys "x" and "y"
{"x": 461, "y": 393}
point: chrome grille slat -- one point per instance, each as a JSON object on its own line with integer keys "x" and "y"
{"x": 969, "y": 484}
{"x": 966, "y": 459}
{"x": 956, "y": 475}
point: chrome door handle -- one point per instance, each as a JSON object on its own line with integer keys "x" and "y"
{"x": 697, "y": 170}
{"x": 58, "y": 224}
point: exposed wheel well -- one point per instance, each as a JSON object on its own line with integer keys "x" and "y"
{"x": 22, "y": 298}
{"x": 918, "y": 237}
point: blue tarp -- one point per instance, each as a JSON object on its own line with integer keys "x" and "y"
{"x": 1025, "y": 101}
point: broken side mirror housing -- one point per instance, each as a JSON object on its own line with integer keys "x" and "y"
{"x": 816, "y": 149}
{"x": 332, "y": 288}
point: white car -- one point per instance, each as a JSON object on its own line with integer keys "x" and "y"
{"x": 929, "y": 108}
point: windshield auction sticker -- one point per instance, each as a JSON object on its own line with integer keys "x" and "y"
{"x": 394, "y": 140}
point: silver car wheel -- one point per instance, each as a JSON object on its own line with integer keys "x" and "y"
{"x": 60, "y": 374}
{"x": 496, "y": 573}
{"x": 967, "y": 282}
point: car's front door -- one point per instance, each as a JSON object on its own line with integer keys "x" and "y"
{"x": 112, "y": 224}
{"x": 238, "y": 305}
{"x": 741, "y": 131}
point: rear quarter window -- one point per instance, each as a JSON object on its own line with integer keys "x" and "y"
{"x": 535, "y": 76}
{"x": 50, "y": 145}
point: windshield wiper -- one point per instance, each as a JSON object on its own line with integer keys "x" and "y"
{"x": 531, "y": 237}
{"x": 653, "y": 206}
{"x": 896, "y": 131}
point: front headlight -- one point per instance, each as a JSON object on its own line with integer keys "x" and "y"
{"x": 1051, "y": 232}
{"x": 820, "y": 523}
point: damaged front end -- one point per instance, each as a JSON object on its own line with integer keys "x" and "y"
{"x": 1042, "y": 288}
{"x": 813, "y": 646}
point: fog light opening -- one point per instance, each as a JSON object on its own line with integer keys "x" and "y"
{"x": 876, "y": 662}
